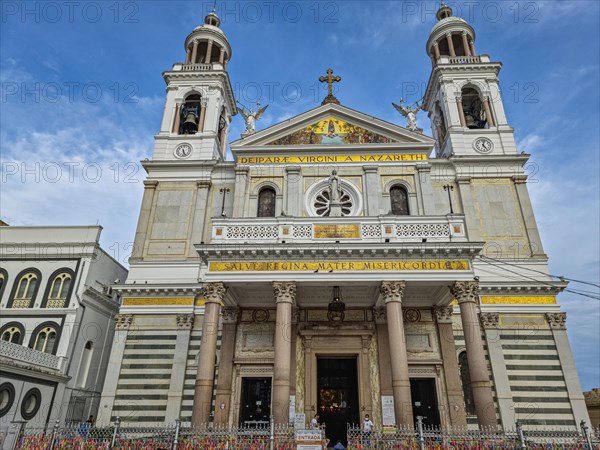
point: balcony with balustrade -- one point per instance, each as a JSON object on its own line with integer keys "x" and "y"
{"x": 381, "y": 229}
{"x": 16, "y": 354}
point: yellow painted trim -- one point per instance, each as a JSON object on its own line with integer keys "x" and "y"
{"x": 200, "y": 302}
{"x": 342, "y": 266}
{"x": 330, "y": 159}
{"x": 158, "y": 301}
{"x": 523, "y": 300}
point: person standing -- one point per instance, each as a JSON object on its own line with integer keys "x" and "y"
{"x": 367, "y": 430}
{"x": 314, "y": 423}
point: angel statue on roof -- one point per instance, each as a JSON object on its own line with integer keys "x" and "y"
{"x": 411, "y": 115}
{"x": 250, "y": 117}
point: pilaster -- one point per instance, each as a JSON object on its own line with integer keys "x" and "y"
{"x": 491, "y": 327}
{"x": 144, "y": 219}
{"x": 113, "y": 369}
{"x": 199, "y": 218}
{"x": 293, "y": 188}
{"x": 185, "y": 323}
{"x": 239, "y": 193}
{"x": 558, "y": 325}
{"x": 224, "y": 388}
{"x": 373, "y": 190}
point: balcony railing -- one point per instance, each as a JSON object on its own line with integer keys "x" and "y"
{"x": 28, "y": 355}
{"x": 347, "y": 229}
{"x": 195, "y": 67}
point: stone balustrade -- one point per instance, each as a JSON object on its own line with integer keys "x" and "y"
{"x": 409, "y": 229}
{"x": 27, "y": 355}
{"x": 192, "y": 67}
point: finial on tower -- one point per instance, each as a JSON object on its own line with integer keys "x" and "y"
{"x": 443, "y": 12}
{"x": 212, "y": 18}
{"x": 330, "y": 79}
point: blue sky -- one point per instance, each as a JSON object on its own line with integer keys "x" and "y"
{"x": 82, "y": 97}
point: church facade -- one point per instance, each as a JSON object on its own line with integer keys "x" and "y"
{"x": 340, "y": 265}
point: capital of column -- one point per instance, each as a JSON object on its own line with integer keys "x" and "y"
{"x": 185, "y": 321}
{"x": 449, "y": 34}
{"x": 203, "y": 184}
{"x": 490, "y": 320}
{"x": 242, "y": 170}
{"x": 150, "y": 184}
{"x": 293, "y": 169}
{"x": 465, "y": 291}
{"x": 370, "y": 169}
{"x": 443, "y": 314}
{"x": 230, "y": 314}
{"x": 214, "y": 292}
{"x": 436, "y": 44}
{"x": 123, "y": 321}
{"x": 392, "y": 291}
{"x": 203, "y": 102}
{"x": 379, "y": 315}
{"x": 557, "y": 321}
{"x": 284, "y": 291}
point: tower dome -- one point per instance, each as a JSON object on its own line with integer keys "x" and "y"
{"x": 207, "y": 44}
{"x": 451, "y": 36}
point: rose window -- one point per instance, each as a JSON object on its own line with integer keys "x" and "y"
{"x": 322, "y": 201}
{"x": 318, "y": 199}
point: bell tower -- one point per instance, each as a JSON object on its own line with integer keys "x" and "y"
{"x": 200, "y": 102}
{"x": 463, "y": 97}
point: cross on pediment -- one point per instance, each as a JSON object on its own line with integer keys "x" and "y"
{"x": 330, "y": 79}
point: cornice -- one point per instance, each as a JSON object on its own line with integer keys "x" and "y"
{"x": 335, "y": 251}
{"x": 149, "y": 290}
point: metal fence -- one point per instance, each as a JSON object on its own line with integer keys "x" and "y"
{"x": 83, "y": 437}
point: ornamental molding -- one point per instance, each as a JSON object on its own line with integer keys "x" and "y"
{"x": 557, "y": 321}
{"x": 380, "y": 315}
{"x": 230, "y": 314}
{"x": 146, "y": 290}
{"x": 185, "y": 321}
{"x": 443, "y": 314}
{"x": 392, "y": 291}
{"x": 551, "y": 288}
{"x": 284, "y": 291}
{"x": 490, "y": 320}
{"x": 123, "y": 321}
{"x": 465, "y": 291}
{"x": 321, "y": 251}
{"x": 214, "y": 292}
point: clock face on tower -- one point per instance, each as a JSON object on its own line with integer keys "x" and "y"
{"x": 183, "y": 150}
{"x": 483, "y": 145}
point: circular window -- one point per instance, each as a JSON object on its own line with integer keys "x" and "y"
{"x": 318, "y": 199}
{"x": 7, "y": 398}
{"x": 31, "y": 403}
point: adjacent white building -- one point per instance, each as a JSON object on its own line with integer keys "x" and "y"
{"x": 56, "y": 326}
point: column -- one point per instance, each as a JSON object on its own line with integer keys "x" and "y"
{"x": 472, "y": 45}
{"x": 185, "y": 323}
{"x": 373, "y": 190}
{"x": 490, "y": 323}
{"x": 213, "y": 296}
{"x": 310, "y": 404}
{"x": 176, "y": 119}
{"x": 208, "y": 52}
{"x": 143, "y": 221}
{"x": 188, "y": 55}
{"x": 194, "y": 52}
{"x": 241, "y": 187}
{"x": 293, "y": 197}
{"x": 122, "y": 324}
{"x": 436, "y": 51}
{"x": 450, "y": 44}
{"x": 198, "y": 221}
{"x": 461, "y": 112}
{"x": 488, "y": 112}
{"x": 557, "y": 322}
{"x": 466, "y": 294}
{"x": 223, "y": 398}
{"x": 203, "y": 105}
{"x": 222, "y": 56}
{"x": 466, "y": 44}
{"x": 533, "y": 234}
{"x": 392, "y": 292}
{"x": 454, "y": 392}
{"x": 285, "y": 295}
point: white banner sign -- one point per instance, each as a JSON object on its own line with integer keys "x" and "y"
{"x": 388, "y": 415}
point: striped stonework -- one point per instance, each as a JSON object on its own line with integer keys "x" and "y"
{"x": 142, "y": 389}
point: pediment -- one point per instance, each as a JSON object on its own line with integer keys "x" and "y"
{"x": 329, "y": 126}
